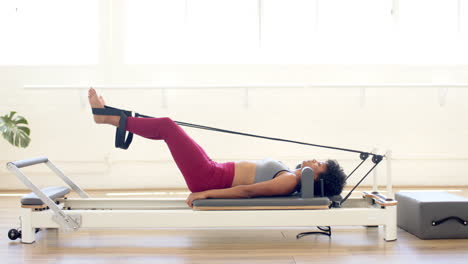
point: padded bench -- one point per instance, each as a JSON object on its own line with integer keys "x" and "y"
{"x": 292, "y": 202}
{"x": 433, "y": 214}
{"x": 54, "y": 192}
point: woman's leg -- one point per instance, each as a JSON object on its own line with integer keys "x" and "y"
{"x": 197, "y": 168}
{"x": 200, "y": 172}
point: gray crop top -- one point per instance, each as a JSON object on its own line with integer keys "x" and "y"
{"x": 267, "y": 169}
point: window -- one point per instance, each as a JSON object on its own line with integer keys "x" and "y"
{"x": 289, "y": 31}
{"x": 49, "y": 32}
{"x": 196, "y": 31}
{"x": 428, "y": 33}
{"x": 237, "y": 31}
{"x": 356, "y": 31}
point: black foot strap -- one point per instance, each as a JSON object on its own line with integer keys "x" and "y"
{"x": 120, "y": 132}
{"x": 326, "y": 231}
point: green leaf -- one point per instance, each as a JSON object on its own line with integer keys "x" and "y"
{"x": 21, "y": 120}
{"x": 12, "y": 113}
{"x": 9, "y": 137}
{"x": 25, "y": 142}
{"x": 25, "y": 130}
{"x": 16, "y": 138}
{"x": 2, "y": 125}
{"x": 14, "y": 130}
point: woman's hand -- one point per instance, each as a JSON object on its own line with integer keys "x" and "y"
{"x": 195, "y": 196}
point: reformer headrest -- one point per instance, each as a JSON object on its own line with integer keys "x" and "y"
{"x": 307, "y": 185}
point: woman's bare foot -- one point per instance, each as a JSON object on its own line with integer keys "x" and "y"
{"x": 101, "y": 100}
{"x": 98, "y": 102}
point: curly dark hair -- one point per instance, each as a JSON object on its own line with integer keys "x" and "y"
{"x": 334, "y": 179}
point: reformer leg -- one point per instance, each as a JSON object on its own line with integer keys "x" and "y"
{"x": 27, "y": 231}
{"x": 390, "y": 229}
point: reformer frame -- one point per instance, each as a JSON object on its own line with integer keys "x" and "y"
{"x": 72, "y": 214}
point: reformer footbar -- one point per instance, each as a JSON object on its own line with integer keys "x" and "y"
{"x": 124, "y": 143}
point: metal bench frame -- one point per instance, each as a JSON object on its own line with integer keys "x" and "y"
{"x": 71, "y": 214}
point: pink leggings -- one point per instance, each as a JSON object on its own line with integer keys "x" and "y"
{"x": 200, "y": 172}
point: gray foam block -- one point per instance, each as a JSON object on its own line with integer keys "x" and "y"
{"x": 417, "y": 211}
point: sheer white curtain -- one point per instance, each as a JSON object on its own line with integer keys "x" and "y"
{"x": 179, "y": 31}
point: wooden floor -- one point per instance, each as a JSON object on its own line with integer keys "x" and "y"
{"x": 347, "y": 245}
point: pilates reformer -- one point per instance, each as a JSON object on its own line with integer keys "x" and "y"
{"x": 50, "y": 208}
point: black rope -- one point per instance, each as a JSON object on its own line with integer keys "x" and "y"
{"x": 355, "y": 169}
{"x": 264, "y": 137}
{"x": 355, "y": 186}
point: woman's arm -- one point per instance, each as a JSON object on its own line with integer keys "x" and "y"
{"x": 239, "y": 191}
{"x": 281, "y": 185}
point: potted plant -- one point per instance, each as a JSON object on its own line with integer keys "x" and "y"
{"x": 14, "y": 129}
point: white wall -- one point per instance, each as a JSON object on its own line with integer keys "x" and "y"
{"x": 428, "y": 140}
